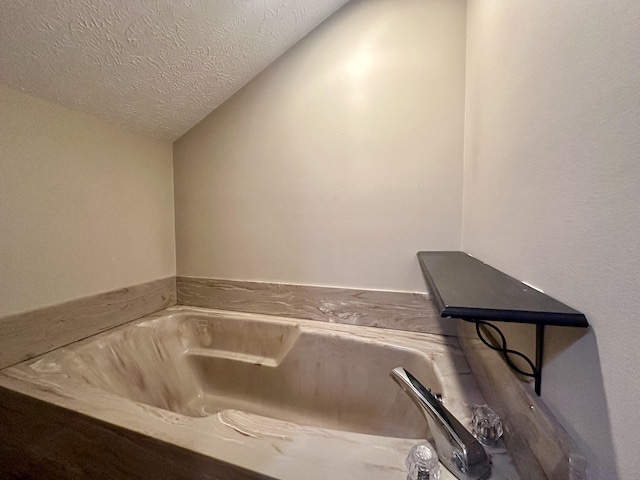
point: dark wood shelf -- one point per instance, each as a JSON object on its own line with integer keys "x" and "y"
{"x": 464, "y": 287}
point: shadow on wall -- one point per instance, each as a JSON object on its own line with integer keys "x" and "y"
{"x": 562, "y": 345}
{"x": 558, "y": 372}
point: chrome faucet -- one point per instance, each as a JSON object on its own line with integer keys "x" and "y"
{"x": 457, "y": 449}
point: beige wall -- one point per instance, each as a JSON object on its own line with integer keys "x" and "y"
{"x": 85, "y": 207}
{"x": 342, "y": 159}
{"x": 552, "y": 196}
{"x": 339, "y": 162}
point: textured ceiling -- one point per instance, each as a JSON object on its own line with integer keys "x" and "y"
{"x": 156, "y": 66}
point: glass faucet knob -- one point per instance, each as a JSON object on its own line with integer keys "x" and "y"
{"x": 486, "y": 425}
{"x": 422, "y": 463}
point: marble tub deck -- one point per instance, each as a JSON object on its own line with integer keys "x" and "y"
{"x": 81, "y": 431}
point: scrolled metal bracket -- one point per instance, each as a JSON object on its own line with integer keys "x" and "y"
{"x": 536, "y": 368}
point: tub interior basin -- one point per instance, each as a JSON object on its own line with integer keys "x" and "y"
{"x": 199, "y": 364}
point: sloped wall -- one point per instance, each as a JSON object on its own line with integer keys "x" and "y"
{"x": 337, "y": 163}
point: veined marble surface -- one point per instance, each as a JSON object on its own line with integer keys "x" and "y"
{"x": 25, "y": 335}
{"x": 395, "y": 310}
{"x": 229, "y": 443}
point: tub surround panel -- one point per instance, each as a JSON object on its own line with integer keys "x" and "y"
{"x": 397, "y": 310}
{"x": 540, "y": 447}
{"x": 26, "y": 335}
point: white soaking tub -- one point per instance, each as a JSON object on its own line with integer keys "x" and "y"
{"x": 283, "y": 398}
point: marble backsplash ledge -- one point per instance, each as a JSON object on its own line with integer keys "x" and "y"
{"x": 397, "y": 310}
{"x": 541, "y": 448}
{"x": 26, "y": 335}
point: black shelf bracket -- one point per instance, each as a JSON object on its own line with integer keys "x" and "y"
{"x": 539, "y": 354}
{"x": 464, "y": 287}
{"x": 535, "y": 368}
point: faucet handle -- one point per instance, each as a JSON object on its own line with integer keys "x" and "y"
{"x": 422, "y": 463}
{"x": 486, "y": 425}
{"x": 458, "y": 450}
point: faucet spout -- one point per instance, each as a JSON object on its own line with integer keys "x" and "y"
{"x": 457, "y": 449}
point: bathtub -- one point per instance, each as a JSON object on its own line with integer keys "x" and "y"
{"x": 269, "y": 397}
